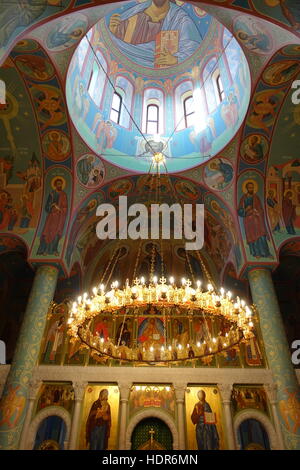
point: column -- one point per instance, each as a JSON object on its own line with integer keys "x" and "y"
{"x": 225, "y": 392}
{"x": 124, "y": 397}
{"x": 271, "y": 391}
{"x": 13, "y": 403}
{"x": 180, "y": 395}
{"x": 34, "y": 386}
{"x": 79, "y": 389}
{"x": 278, "y": 355}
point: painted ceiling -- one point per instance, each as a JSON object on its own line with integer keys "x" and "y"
{"x": 41, "y": 150}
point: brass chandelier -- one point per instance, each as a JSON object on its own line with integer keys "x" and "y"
{"x": 159, "y": 297}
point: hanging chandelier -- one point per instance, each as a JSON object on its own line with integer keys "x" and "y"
{"x": 170, "y": 300}
{"x": 159, "y": 300}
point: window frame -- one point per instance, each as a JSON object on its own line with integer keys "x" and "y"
{"x": 118, "y": 111}
{"x": 150, "y": 120}
{"x": 185, "y": 113}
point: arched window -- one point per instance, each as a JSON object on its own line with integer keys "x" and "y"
{"x": 152, "y": 120}
{"x": 116, "y": 106}
{"x": 122, "y": 102}
{"x": 220, "y": 88}
{"x": 97, "y": 78}
{"x": 209, "y": 87}
{"x": 189, "y": 111}
{"x": 153, "y": 112}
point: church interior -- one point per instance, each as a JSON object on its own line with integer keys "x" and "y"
{"x": 138, "y": 343}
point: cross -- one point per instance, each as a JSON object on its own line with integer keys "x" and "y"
{"x": 188, "y": 283}
{"x": 136, "y": 282}
{"x": 151, "y": 432}
{"x": 163, "y": 280}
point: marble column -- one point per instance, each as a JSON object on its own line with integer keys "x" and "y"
{"x": 13, "y": 402}
{"x": 124, "y": 398}
{"x": 278, "y": 355}
{"x": 271, "y": 391}
{"x": 180, "y": 395}
{"x": 225, "y": 392}
{"x": 79, "y": 389}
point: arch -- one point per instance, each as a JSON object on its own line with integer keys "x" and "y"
{"x": 263, "y": 420}
{"x": 151, "y": 413}
{"x": 43, "y": 414}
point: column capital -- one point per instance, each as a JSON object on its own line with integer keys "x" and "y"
{"x": 124, "y": 388}
{"x": 79, "y": 389}
{"x": 225, "y": 392}
{"x": 271, "y": 391}
{"x": 180, "y": 389}
{"x": 34, "y": 387}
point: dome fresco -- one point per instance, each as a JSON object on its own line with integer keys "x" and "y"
{"x": 141, "y": 82}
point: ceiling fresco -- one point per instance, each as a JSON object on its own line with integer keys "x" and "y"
{"x": 128, "y": 64}
{"x": 44, "y": 160}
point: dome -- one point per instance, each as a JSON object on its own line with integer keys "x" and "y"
{"x": 158, "y": 76}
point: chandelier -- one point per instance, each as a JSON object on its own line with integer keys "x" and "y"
{"x": 159, "y": 298}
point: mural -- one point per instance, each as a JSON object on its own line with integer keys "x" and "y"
{"x": 248, "y": 396}
{"x": 254, "y": 148}
{"x": 66, "y": 32}
{"x": 253, "y": 34}
{"x": 281, "y": 72}
{"x": 252, "y": 217}
{"x": 56, "y": 394}
{"x": 90, "y": 171}
{"x": 56, "y": 145}
{"x": 218, "y": 174}
{"x": 204, "y": 419}
{"x": 100, "y": 418}
{"x": 126, "y": 54}
{"x": 157, "y": 34}
{"x": 155, "y": 396}
{"x": 53, "y": 344}
{"x": 55, "y": 216}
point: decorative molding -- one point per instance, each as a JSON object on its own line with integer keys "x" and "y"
{"x": 180, "y": 389}
{"x": 225, "y": 392}
{"x": 264, "y": 421}
{"x": 43, "y": 414}
{"x": 124, "y": 388}
{"x": 79, "y": 389}
{"x": 151, "y": 413}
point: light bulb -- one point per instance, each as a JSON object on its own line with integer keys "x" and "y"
{"x": 151, "y": 349}
{"x": 95, "y": 290}
{"x": 155, "y": 279}
{"x": 142, "y": 280}
{"x": 229, "y": 295}
{"x": 183, "y": 281}
{"x": 198, "y": 284}
{"x": 171, "y": 280}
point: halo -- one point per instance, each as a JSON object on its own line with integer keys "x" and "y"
{"x": 53, "y": 181}
{"x": 289, "y": 191}
{"x": 255, "y": 135}
{"x": 250, "y": 181}
{"x": 51, "y": 134}
{"x": 91, "y": 204}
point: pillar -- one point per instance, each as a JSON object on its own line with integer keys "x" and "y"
{"x": 124, "y": 397}
{"x": 13, "y": 402}
{"x": 34, "y": 386}
{"x": 225, "y": 392}
{"x": 180, "y": 395}
{"x": 271, "y": 391}
{"x": 79, "y": 389}
{"x": 278, "y": 355}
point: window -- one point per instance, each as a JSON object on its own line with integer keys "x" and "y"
{"x": 189, "y": 111}
{"x": 115, "y": 113}
{"x": 97, "y": 78}
{"x": 220, "y": 88}
{"x": 152, "y": 125}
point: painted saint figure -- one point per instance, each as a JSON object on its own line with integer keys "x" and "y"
{"x": 289, "y": 212}
{"x": 54, "y": 340}
{"x": 206, "y": 431}
{"x": 250, "y": 209}
{"x": 99, "y": 423}
{"x": 138, "y": 31}
{"x": 56, "y": 208}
